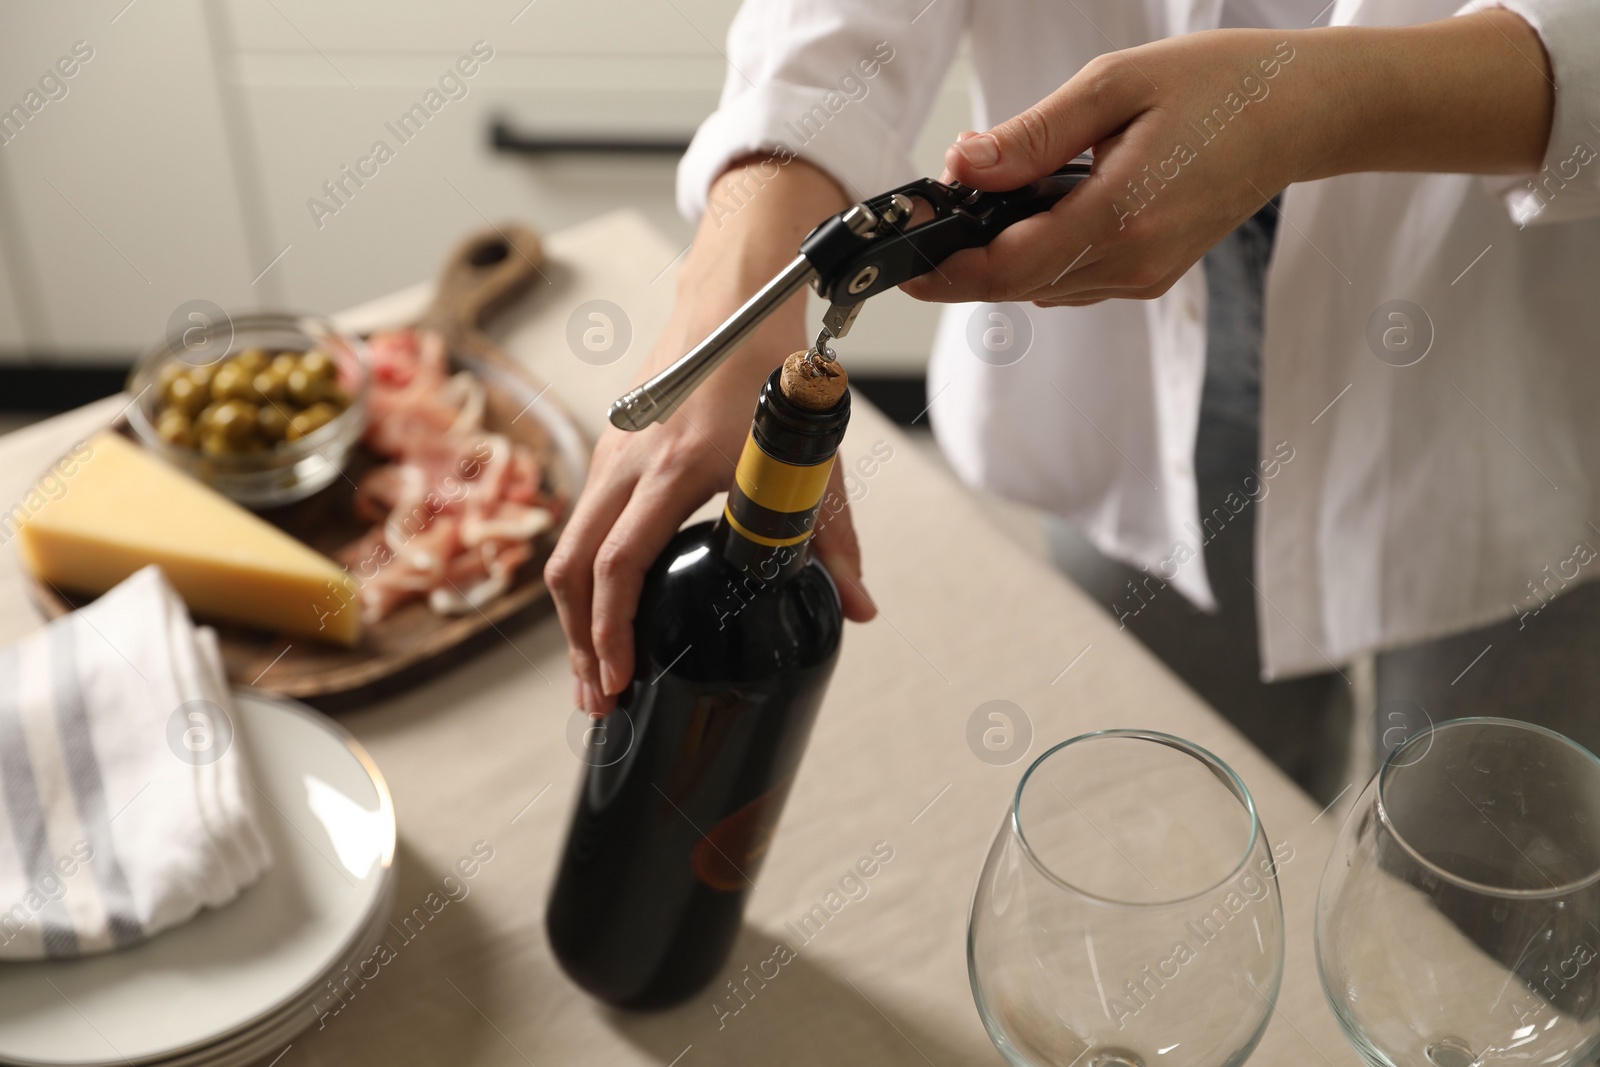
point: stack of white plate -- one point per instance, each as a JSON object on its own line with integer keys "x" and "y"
{"x": 236, "y": 984}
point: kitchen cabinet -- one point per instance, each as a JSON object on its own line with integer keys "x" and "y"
{"x": 190, "y": 155}
{"x": 121, "y": 194}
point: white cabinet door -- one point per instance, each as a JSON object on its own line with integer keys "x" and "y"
{"x": 123, "y": 189}
{"x": 366, "y": 202}
{"x": 600, "y": 28}
{"x": 324, "y": 85}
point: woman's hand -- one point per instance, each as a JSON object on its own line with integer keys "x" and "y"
{"x": 642, "y": 486}
{"x": 1193, "y": 134}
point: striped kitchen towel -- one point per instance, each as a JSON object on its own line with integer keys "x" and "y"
{"x": 126, "y": 803}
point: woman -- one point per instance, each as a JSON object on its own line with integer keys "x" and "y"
{"x": 1422, "y": 482}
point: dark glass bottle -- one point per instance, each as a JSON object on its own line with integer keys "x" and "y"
{"x": 736, "y": 636}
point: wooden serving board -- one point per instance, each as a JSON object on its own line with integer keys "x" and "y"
{"x": 485, "y": 273}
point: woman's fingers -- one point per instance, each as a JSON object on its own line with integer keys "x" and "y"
{"x": 1104, "y": 285}
{"x": 1161, "y": 191}
{"x": 1036, "y": 253}
{"x": 1097, "y": 102}
{"x": 660, "y": 503}
{"x": 835, "y": 545}
{"x": 570, "y": 570}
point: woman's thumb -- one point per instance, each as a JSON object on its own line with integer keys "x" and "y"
{"x": 1044, "y": 137}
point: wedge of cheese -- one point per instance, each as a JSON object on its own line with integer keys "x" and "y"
{"x": 120, "y": 509}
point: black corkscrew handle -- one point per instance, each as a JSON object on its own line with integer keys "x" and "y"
{"x": 909, "y": 231}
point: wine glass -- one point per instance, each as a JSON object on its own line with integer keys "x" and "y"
{"x": 1456, "y": 923}
{"x": 1128, "y": 913}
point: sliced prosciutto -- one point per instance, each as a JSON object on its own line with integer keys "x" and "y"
{"x": 457, "y": 509}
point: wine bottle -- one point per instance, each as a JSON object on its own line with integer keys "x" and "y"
{"x": 736, "y": 635}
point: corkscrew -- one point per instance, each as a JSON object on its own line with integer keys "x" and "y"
{"x": 858, "y": 253}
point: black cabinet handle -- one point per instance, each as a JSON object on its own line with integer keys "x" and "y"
{"x": 504, "y": 138}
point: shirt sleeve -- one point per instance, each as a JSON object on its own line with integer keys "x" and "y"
{"x": 1568, "y": 187}
{"x": 844, "y": 85}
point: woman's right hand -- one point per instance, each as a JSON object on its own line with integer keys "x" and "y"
{"x": 643, "y": 485}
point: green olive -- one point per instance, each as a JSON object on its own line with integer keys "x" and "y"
{"x": 234, "y": 421}
{"x": 318, "y": 364}
{"x": 304, "y": 388}
{"x": 310, "y": 420}
{"x": 283, "y": 363}
{"x": 202, "y": 375}
{"x": 170, "y": 372}
{"x": 214, "y": 444}
{"x": 185, "y": 396}
{"x": 269, "y": 387}
{"x": 271, "y": 422}
{"x": 173, "y": 427}
{"x": 251, "y": 360}
{"x": 241, "y": 428}
{"x": 336, "y": 397}
{"x": 232, "y": 382}
{"x": 203, "y": 420}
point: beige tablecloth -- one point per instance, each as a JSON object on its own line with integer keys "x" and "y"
{"x": 480, "y": 754}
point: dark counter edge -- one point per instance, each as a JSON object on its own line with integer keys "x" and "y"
{"x": 49, "y": 389}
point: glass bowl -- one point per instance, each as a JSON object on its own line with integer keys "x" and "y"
{"x": 282, "y": 473}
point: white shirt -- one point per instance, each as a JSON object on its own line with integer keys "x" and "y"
{"x": 1417, "y": 500}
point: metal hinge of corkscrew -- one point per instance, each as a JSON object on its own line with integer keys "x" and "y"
{"x": 858, "y": 253}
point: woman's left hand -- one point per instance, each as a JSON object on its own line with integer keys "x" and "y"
{"x": 1193, "y": 134}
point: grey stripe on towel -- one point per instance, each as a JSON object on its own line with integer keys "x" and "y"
{"x": 88, "y": 787}
{"x": 27, "y": 820}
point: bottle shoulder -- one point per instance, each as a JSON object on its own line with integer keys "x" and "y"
{"x": 690, "y": 567}
{"x": 694, "y": 594}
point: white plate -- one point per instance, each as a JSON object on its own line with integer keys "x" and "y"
{"x": 328, "y": 815}
{"x": 272, "y": 1035}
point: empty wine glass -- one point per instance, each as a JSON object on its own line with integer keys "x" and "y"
{"x": 1456, "y": 923}
{"x": 1128, "y": 913}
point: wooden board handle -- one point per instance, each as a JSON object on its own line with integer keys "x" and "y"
{"x": 484, "y": 274}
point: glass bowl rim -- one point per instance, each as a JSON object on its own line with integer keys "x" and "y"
{"x": 1224, "y": 773}
{"x": 286, "y": 453}
{"x": 1381, "y": 777}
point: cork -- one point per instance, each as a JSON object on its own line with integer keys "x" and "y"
{"x": 816, "y": 387}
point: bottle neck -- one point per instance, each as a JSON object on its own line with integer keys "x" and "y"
{"x": 771, "y": 512}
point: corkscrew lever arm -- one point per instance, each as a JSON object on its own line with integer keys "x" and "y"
{"x": 660, "y": 396}
{"x": 872, "y": 246}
